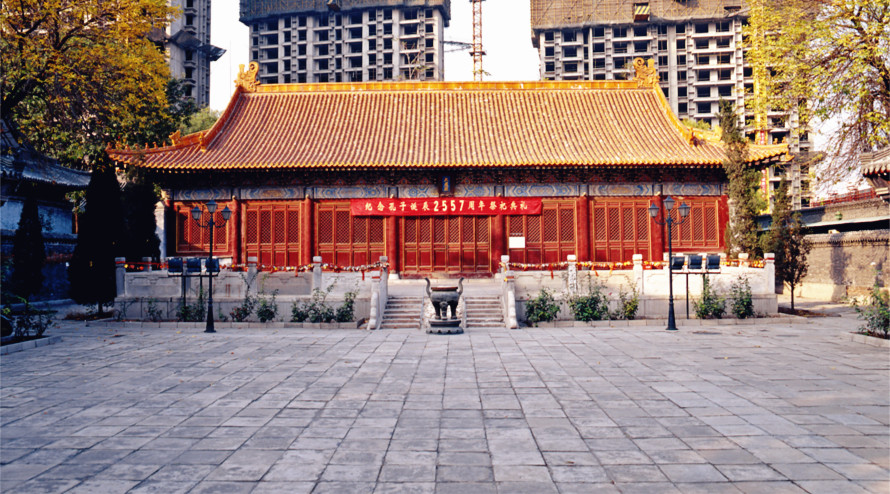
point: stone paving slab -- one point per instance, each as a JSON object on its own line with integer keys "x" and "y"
{"x": 789, "y": 405}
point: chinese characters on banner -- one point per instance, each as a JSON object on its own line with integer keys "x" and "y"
{"x": 450, "y": 206}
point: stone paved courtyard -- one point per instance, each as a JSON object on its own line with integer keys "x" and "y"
{"x": 789, "y": 406}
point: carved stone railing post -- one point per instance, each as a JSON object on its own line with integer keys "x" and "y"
{"x": 376, "y": 315}
{"x": 120, "y": 275}
{"x": 384, "y": 286}
{"x": 316, "y": 274}
{"x": 252, "y": 288}
{"x": 573, "y": 274}
{"x": 509, "y": 297}
{"x": 638, "y": 272}
{"x": 769, "y": 269}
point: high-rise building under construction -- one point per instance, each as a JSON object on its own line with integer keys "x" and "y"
{"x": 697, "y": 50}
{"x": 186, "y": 41}
{"x": 347, "y": 40}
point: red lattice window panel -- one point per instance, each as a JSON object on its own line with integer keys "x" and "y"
{"x": 703, "y": 230}
{"x": 272, "y": 232}
{"x": 251, "y": 227}
{"x": 550, "y": 226}
{"x": 192, "y": 240}
{"x": 628, "y": 223}
{"x": 458, "y": 245}
{"x": 346, "y": 240}
{"x": 549, "y": 237}
{"x": 620, "y": 229}
{"x": 642, "y": 224}
{"x": 599, "y": 224}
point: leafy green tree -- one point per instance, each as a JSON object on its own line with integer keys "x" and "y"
{"x": 744, "y": 180}
{"x": 29, "y": 252}
{"x": 828, "y": 60}
{"x": 787, "y": 240}
{"x": 92, "y": 269}
{"x": 78, "y": 74}
{"x": 203, "y": 119}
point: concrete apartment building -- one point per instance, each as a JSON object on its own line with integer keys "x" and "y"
{"x": 347, "y": 40}
{"x": 189, "y": 52}
{"x": 696, "y": 46}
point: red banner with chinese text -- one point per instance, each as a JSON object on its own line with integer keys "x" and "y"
{"x": 445, "y": 206}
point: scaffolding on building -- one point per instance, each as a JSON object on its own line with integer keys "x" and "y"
{"x": 258, "y": 9}
{"x": 547, "y": 14}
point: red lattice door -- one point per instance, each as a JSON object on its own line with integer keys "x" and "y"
{"x": 347, "y": 240}
{"x": 452, "y": 245}
{"x": 192, "y": 240}
{"x": 272, "y": 233}
{"x": 702, "y": 231}
{"x": 620, "y": 228}
{"x": 549, "y": 237}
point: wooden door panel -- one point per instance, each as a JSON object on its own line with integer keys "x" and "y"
{"x": 620, "y": 228}
{"x": 457, "y": 245}
{"x": 348, "y": 240}
{"x": 272, "y": 232}
{"x": 549, "y": 237}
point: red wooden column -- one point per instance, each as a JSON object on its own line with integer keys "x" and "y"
{"x": 723, "y": 220}
{"x": 306, "y": 231}
{"x": 169, "y": 227}
{"x": 498, "y": 239}
{"x": 392, "y": 243}
{"x": 582, "y": 239}
{"x": 236, "y": 232}
{"x": 659, "y": 245}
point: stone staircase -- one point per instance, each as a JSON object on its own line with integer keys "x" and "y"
{"x": 402, "y": 312}
{"x": 484, "y": 312}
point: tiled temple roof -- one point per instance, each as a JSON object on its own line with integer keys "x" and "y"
{"x": 876, "y": 163}
{"x": 441, "y": 124}
{"x": 20, "y": 161}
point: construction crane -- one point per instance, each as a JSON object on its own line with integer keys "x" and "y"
{"x": 476, "y": 51}
{"x": 457, "y": 46}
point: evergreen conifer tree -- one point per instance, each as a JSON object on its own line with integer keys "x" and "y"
{"x": 29, "y": 252}
{"x": 141, "y": 238}
{"x": 92, "y": 269}
{"x": 741, "y": 233}
{"x": 786, "y": 239}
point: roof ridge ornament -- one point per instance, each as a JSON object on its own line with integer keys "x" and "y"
{"x": 246, "y": 80}
{"x": 646, "y": 73}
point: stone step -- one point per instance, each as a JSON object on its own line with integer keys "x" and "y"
{"x": 471, "y": 324}
{"x": 402, "y": 313}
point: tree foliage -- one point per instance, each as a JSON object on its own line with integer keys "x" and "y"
{"x": 827, "y": 59}
{"x": 744, "y": 180}
{"x": 92, "y": 269}
{"x": 78, "y": 74}
{"x": 786, "y": 239}
{"x": 203, "y": 119}
{"x": 29, "y": 251}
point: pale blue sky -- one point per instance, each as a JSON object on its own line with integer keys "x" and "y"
{"x": 506, "y": 37}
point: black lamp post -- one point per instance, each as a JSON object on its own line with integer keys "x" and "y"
{"x": 210, "y": 224}
{"x": 670, "y": 222}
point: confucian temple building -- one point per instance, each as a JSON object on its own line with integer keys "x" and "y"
{"x": 443, "y": 178}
